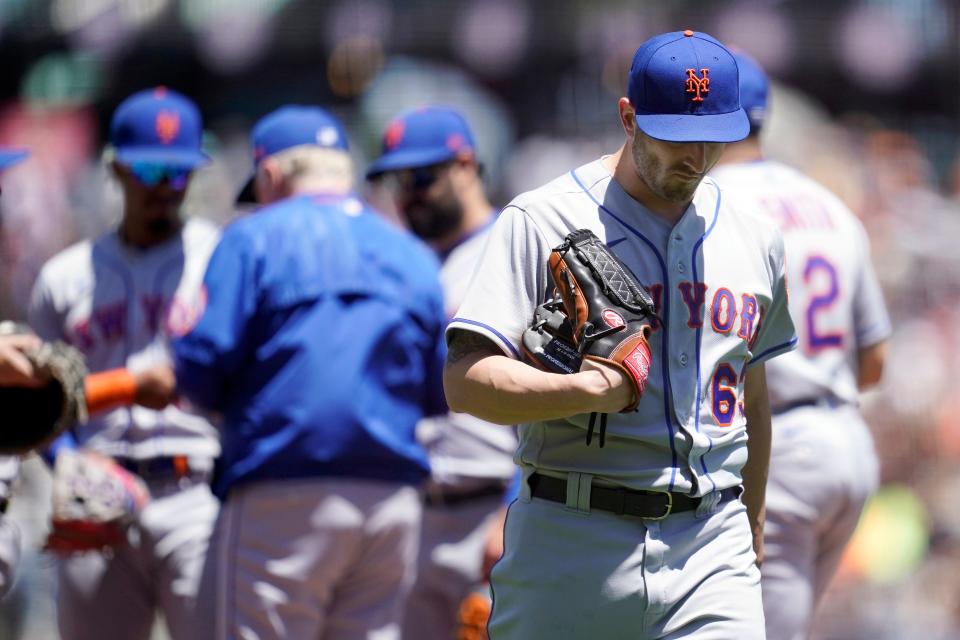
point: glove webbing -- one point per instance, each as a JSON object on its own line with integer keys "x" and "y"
{"x": 608, "y": 272}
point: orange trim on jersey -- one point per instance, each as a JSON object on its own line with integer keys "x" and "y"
{"x": 748, "y": 315}
{"x": 716, "y": 309}
{"x": 756, "y": 334}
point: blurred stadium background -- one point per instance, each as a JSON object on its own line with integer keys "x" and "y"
{"x": 866, "y": 99}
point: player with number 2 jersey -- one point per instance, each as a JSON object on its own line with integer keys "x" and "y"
{"x": 823, "y": 466}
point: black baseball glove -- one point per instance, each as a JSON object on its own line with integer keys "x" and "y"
{"x": 33, "y": 416}
{"x": 601, "y": 312}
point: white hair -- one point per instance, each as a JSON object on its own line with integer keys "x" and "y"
{"x": 310, "y": 167}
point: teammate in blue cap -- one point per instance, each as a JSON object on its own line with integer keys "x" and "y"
{"x": 430, "y": 159}
{"x": 823, "y": 465}
{"x": 119, "y": 299}
{"x": 321, "y": 346}
{"x": 658, "y": 533}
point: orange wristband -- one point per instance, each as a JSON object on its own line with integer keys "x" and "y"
{"x": 109, "y": 389}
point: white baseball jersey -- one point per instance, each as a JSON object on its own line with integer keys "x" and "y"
{"x": 717, "y": 278}
{"x": 119, "y": 306}
{"x": 835, "y": 298}
{"x": 462, "y": 447}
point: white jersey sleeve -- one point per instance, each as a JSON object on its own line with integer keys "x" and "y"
{"x": 43, "y": 314}
{"x": 775, "y": 333}
{"x": 510, "y": 280}
{"x": 465, "y": 452}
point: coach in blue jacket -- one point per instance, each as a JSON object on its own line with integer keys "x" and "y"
{"x": 321, "y": 347}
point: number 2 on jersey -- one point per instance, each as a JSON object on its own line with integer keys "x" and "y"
{"x": 818, "y": 265}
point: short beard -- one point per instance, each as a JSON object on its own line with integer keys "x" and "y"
{"x": 162, "y": 226}
{"x": 439, "y": 221}
{"x": 652, "y": 173}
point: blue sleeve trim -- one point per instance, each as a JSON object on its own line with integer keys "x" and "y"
{"x": 513, "y": 491}
{"x": 873, "y": 335}
{"x": 772, "y": 351}
{"x": 500, "y": 336}
{"x": 65, "y": 441}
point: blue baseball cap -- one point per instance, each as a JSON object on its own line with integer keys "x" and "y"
{"x": 684, "y": 86}
{"x": 422, "y": 137}
{"x": 10, "y": 157}
{"x": 754, "y": 87}
{"x": 291, "y": 126}
{"x": 159, "y": 126}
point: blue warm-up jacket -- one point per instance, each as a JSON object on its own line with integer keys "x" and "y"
{"x": 321, "y": 344}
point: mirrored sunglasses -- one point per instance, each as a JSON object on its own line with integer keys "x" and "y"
{"x": 150, "y": 175}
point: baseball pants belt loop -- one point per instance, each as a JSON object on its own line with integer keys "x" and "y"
{"x": 649, "y": 505}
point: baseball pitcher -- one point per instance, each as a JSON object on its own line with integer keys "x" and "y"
{"x": 645, "y": 465}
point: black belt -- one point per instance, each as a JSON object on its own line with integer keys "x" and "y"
{"x": 162, "y": 467}
{"x": 436, "y": 496}
{"x": 651, "y": 505}
{"x": 825, "y": 401}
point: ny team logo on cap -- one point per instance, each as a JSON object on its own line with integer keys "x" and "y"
{"x": 422, "y": 137}
{"x": 158, "y": 126}
{"x": 455, "y": 141}
{"x": 168, "y": 126}
{"x": 394, "y": 134}
{"x": 683, "y": 87}
{"x": 698, "y": 86}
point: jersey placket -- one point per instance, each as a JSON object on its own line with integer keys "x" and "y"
{"x": 684, "y": 366}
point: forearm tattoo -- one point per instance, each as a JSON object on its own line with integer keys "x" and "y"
{"x": 465, "y": 343}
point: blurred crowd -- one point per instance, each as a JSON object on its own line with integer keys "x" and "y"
{"x": 901, "y": 575}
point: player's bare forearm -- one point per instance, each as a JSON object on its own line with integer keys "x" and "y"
{"x": 479, "y": 380}
{"x": 757, "y": 409}
{"x": 870, "y": 361}
{"x": 153, "y": 388}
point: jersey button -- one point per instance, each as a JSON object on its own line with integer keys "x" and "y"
{"x": 683, "y": 359}
{"x": 680, "y": 267}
